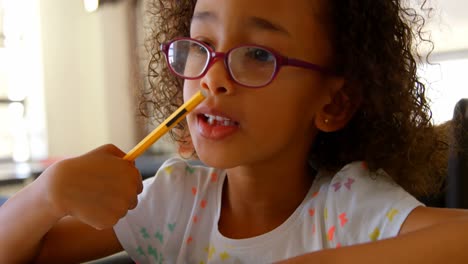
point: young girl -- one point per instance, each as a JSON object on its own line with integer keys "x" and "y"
{"x": 315, "y": 130}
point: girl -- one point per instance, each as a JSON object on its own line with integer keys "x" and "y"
{"x": 315, "y": 130}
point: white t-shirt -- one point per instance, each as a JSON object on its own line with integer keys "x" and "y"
{"x": 178, "y": 211}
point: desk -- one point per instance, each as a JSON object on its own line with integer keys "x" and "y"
{"x": 18, "y": 172}
{"x": 15, "y": 175}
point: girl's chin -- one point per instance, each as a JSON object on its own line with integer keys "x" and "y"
{"x": 218, "y": 160}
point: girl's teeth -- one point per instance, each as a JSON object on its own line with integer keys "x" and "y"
{"x": 221, "y": 121}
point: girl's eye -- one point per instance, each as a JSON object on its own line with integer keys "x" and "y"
{"x": 260, "y": 55}
{"x": 197, "y": 48}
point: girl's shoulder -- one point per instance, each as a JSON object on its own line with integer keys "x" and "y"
{"x": 354, "y": 186}
{"x": 357, "y": 173}
{"x": 362, "y": 205}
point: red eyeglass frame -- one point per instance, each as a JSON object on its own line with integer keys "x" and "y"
{"x": 213, "y": 56}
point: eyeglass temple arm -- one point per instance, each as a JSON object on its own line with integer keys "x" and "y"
{"x": 306, "y": 65}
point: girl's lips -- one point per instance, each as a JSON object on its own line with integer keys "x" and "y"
{"x": 215, "y": 130}
{"x": 215, "y": 125}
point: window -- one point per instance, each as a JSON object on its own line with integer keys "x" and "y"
{"x": 20, "y": 78}
{"x": 448, "y": 83}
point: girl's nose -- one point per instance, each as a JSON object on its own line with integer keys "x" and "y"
{"x": 217, "y": 79}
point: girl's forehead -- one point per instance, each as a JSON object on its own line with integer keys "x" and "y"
{"x": 293, "y": 16}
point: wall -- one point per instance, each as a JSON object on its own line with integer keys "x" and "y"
{"x": 87, "y": 77}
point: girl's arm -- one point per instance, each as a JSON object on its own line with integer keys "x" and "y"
{"x": 429, "y": 235}
{"x": 71, "y": 241}
{"x": 67, "y": 214}
{"x": 29, "y": 230}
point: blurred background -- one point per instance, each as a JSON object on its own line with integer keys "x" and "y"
{"x": 69, "y": 73}
{"x": 69, "y": 77}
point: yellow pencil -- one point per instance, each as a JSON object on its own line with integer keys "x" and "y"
{"x": 165, "y": 126}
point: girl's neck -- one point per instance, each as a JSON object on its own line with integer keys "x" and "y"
{"x": 257, "y": 200}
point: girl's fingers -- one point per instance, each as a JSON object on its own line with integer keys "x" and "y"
{"x": 133, "y": 203}
{"x": 139, "y": 185}
{"x": 110, "y": 148}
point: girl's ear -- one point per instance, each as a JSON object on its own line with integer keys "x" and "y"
{"x": 338, "y": 112}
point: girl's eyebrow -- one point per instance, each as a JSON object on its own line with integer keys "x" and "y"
{"x": 256, "y": 22}
{"x": 205, "y": 15}
{"x": 265, "y": 24}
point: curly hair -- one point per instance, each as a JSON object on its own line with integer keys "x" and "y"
{"x": 375, "y": 45}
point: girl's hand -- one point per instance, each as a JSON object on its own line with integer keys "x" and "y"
{"x": 97, "y": 188}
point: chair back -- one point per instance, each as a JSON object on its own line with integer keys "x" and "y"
{"x": 457, "y": 178}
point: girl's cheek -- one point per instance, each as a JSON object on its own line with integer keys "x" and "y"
{"x": 185, "y": 91}
{"x": 189, "y": 89}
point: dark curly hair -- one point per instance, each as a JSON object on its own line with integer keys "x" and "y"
{"x": 375, "y": 45}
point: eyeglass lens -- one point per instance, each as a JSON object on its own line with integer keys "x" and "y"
{"x": 248, "y": 65}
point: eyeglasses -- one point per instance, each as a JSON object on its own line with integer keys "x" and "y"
{"x": 248, "y": 65}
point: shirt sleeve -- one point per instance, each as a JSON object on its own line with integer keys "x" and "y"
{"x": 364, "y": 206}
{"x": 148, "y": 228}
